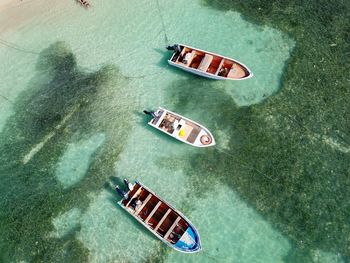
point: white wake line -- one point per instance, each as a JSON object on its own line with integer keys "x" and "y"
{"x": 336, "y": 145}
{"x": 332, "y": 143}
{"x": 41, "y": 144}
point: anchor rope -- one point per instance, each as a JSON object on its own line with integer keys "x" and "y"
{"x": 16, "y": 47}
{"x": 5, "y": 98}
{"x": 166, "y": 39}
{"x": 216, "y": 258}
{"x": 147, "y": 75}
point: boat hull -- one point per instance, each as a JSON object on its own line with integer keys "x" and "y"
{"x": 194, "y": 133}
{"x": 216, "y": 67}
{"x": 190, "y": 239}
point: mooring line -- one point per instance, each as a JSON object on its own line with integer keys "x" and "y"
{"x": 216, "y": 258}
{"x": 166, "y": 39}
{"x": 16, "y": 47}
{"x": 148, "y": 75}
{"x": 5, "y": 98}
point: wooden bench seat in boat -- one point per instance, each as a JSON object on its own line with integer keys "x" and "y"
{"x": 172, "y": 227}
{"x": 153, "y": 211}
{"x": 220, "y": 65}
{"x": 162, "y": 220}
{"x": 205, "y": 63}
{"x": 138, "y": 210}
{"x": 189, "y": 57}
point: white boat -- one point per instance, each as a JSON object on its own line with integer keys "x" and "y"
{"x": 163, "y": 220}
{"x": 181, "y": 128}
{"x": 207, "y": 64}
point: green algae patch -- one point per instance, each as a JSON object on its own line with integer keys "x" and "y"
{"x": 294, "y": 180}
{"x": 288, "y": 156}
{"x": 63, "y": 105}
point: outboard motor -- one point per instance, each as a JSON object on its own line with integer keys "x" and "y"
{"x": 175, "y": 47}
{"x": 129, "y": 185}
{"x": 150, "y": 113}
{"x": 121, "y": 192}
{"x": 170, "y": 48}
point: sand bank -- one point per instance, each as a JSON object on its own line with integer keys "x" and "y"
{"x": 14, "y": 13}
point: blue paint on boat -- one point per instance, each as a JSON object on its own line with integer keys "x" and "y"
{"x": 189, "y": 242}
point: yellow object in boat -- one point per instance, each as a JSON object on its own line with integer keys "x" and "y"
{"x": 181, "y": 133}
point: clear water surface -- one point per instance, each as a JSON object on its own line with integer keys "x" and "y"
{"x": 86, "y": 137}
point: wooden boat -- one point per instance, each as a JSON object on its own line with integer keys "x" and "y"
{"x": 181, "y": 128}
{"x": 84, "y": 3}
{"x": 163, "y": 220}
{"x": 207, "y": 64}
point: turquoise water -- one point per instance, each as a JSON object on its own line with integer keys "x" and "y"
{"x": 72, "y": 92}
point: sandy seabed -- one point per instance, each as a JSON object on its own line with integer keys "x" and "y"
{"x": 14, "y": 13}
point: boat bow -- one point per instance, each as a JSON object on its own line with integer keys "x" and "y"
{"x": 189, "y": 242}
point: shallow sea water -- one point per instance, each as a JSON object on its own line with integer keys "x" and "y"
{"x": 104, "y": 136}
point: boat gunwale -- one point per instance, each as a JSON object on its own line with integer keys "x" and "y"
{"x": 190, "y": 224}
{"x": 214, "y": 76}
